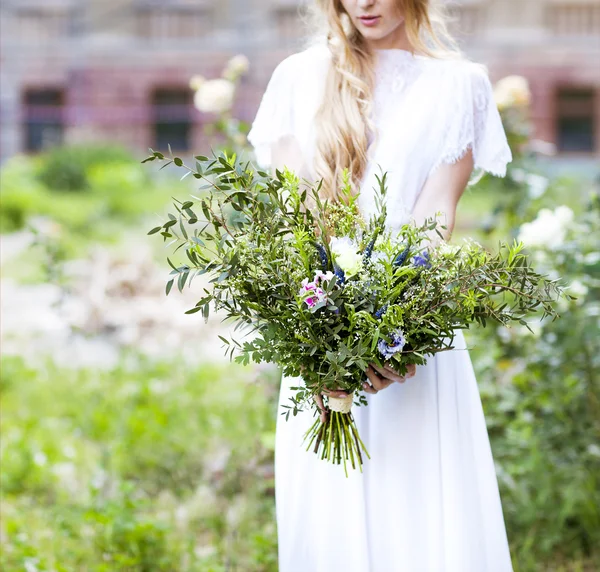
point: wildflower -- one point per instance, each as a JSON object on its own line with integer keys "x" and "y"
{"x": 548, "y": 229}
{"x": 398, "y": 342}
{"x": 400, "y": 259}
{"x": 196, "y": 82}
{"x": 346, "y": 256}
{"x": 214, "y": 96}
{"x": 312, "y": 293}
{"x": 512, "y": 91}
{"x": 236, "y": 67}
{"x": 421, "y": 259}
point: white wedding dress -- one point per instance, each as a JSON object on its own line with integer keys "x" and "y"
{"x": 428, "y": 499}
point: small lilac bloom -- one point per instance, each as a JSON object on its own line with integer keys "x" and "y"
{"x": 421, "y": 259}
{"x": 321, "y": 276}
{"x": 312, "y": 293}
{"x": 398, "y": 342}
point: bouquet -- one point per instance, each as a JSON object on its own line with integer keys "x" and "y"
{"x": 325, "y": 292}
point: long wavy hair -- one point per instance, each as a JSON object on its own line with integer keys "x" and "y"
{"x": 344, "y": 129}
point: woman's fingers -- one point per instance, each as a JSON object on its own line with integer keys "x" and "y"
{"x": 411, "y": 369}
{"x": 335, "y": 393}
{"x": 378, "y": 381}
{"x": 388, "y": 373}
{"x": 321, "y": 406}
{"x": 368, "y": 388}
{"x": 382, "y": 377}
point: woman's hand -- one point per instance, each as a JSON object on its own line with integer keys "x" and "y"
{"x": 382, "y": 377}
{"x": 379, "y": 377}
{"x": 328, "y": 393}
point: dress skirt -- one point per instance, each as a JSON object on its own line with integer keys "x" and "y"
{"x": 428, "y": 499}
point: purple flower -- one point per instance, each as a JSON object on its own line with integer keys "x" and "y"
{"x": 398, "y": 342}
{"x": 311, "y": 292}
{"x": 421, "y": 259}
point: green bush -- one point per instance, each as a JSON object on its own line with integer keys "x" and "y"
{"x": 118, "y": 193}
{"x": 541, "y": 395}
{"x": 145, "y": 468}
{"x": 66, "y": 168}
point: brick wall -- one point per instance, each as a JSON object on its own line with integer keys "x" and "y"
{"x": 109, "y": 67}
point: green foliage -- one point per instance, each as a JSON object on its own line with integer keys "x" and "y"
{"x": 118, "y": 192}
{"x": 66, "y": 168}
{"x": 541, "y": 395}
{"x": 258, "y": 264}
{"x": 146, "y": 468}
{"x": 329, "y": 328}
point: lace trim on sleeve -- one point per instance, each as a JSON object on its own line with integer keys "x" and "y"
{"x": 476, "y": 126}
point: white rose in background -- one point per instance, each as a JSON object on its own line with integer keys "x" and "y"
{"x": 537, "y": 185}
{"x": 196, "y": 82}
{"x": 345, "y": 254}
{"x": 215, "y": 96}
{"x": 512, "y": 91}
{"x": 236, "y": 67}
{"x": 548, "y": 229}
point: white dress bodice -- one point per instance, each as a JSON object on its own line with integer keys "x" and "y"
{"x": 426, "y": 111}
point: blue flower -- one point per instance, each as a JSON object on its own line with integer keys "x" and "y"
{"x": 398, "y": 342}
{"x": 340, "y": 274}
{"x": 421, "y": 259}
{"x": 379, "y": 314}
{"x": 401, "y": 257}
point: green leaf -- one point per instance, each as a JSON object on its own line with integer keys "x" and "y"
{"x": 194, "y": 310}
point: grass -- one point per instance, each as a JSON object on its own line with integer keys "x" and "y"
{"x": 145, "y": 467}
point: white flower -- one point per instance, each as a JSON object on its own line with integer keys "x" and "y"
{"x": 345, "y": 255}
{"x": 196, "y": 82}
{"x": 215, "y": 96}
{"x": 236, "y": 67}
{"x": 564, "y": 214}
{"x": 445, "y": 248}
{"x": 512, "y": 91}
{"x": 537, "y": 185}
{"x": 548, "y": 229}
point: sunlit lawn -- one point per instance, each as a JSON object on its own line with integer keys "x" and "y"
{"x": 146, "y": 467}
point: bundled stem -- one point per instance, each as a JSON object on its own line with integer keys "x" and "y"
{"x": 337, "y": 440}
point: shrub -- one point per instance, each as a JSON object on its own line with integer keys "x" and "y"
{"x": 66, "y": 168}
{"x": 541, "y": 395}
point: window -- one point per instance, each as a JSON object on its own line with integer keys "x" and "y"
{"x": 174, "y": 22}
{"x": 172, "y": 118}
{"x": 38, "y": 26}
{"x": 574, "y": 18}
{"x": 575, "y": 120}
{"x": 43, "y": 118}
{"x": 467, "y": 19}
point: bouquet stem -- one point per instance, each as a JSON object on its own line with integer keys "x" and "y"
{"x": 337, "y": 439}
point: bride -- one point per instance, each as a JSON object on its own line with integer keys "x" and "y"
{"x": 385, "y": 90}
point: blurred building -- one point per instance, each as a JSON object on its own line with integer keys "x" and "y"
{"x": 81, "y": 70}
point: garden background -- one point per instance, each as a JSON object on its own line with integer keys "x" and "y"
{"x": 129, "y": 442}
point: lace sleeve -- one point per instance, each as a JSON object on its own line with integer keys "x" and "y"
{"x": 475, "y": 124}
{"x": 274, "y": 116}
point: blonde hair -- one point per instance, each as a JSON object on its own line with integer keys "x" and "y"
{"x": 343, "y": 119}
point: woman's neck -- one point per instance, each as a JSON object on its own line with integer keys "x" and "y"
{"x": 396, "y": 40}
